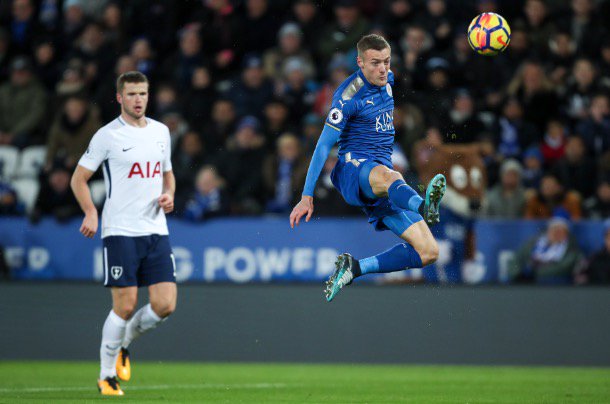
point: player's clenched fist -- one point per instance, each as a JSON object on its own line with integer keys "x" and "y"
{"x": 305, "y": 206}
{"x": 89, "y": 226}
{"x": 166, "y": 202}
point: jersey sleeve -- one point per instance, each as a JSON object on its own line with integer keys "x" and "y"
{"x": 167, "y": 162}
{"x": 96, "y": 152}
{"x": 340, "y": 113}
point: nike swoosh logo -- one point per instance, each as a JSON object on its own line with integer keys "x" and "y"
{"x": 370, "y": 102}
{"x": 129, "y": 148}
{"x": 401, "y": 185}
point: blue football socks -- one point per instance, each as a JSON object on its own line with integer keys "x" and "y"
{"x": 404, "y": 196}
{"x": 397, "y": 258}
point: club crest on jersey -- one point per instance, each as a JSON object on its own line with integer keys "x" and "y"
{"x": 388, "y": 88}
{"x": 116, "y": 272}
{"x": 385, "y": 122}
{"x": 335, "y": 116}
{"x": 161, "y": 146}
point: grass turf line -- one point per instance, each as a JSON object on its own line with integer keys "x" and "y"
{"x": 40, "y": 382}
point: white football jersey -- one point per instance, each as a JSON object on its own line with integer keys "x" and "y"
{"x": 134, "y": 161}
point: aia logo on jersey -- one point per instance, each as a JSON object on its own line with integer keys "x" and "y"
{"x": 145, "y": 170}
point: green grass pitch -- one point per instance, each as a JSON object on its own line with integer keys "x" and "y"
{"x": 44, "y": 382}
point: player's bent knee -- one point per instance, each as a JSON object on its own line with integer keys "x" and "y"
{"x": 429, "y": 253}
{"x": 125, "y": 309}
{"x": 163, "y": 308}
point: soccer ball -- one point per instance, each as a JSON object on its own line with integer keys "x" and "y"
{"x": 489, "y": 34}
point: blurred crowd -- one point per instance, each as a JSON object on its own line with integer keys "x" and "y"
{"x": 244, "y": 86}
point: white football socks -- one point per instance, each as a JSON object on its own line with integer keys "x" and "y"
{"x": 144, "y": 320}
{"x": 112, "y": 335}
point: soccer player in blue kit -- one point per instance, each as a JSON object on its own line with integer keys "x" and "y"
{"x": 361, "y": 120}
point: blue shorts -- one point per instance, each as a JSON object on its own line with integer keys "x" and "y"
{"x": 138, "y": 261}
{"x": 382, "y": 213}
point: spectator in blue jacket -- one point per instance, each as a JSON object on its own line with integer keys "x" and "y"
{"x": 209, "y": 199}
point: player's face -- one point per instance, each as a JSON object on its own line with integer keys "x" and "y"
{"x": 375, "y": 66}
{"x": 133, "y": 99}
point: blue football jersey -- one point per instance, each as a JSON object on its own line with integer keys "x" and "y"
{"x": 364, "y": 114}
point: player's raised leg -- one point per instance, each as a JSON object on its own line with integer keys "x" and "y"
{"x": 385, "y": 182}
{"x": 124, "y": 301}
{"x": 421, "y": 249}
{"x": 163, "y": 296}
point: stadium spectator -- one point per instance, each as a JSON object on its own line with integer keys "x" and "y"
{"x": 554, "y": 142}
{"x": 538, "y": 25}
{"x": 438, "y": 21}
{"x": 284, "y": 174}
{"x": 535, "y": 93}
{"x": 22, "y": 105}
{"x": 252, "y": 90}
{"x": 259, "y": 26}
{"x": 289, "y": 45}
{"x": 23, "y": 26}
{"x": 341, "y": 35}
{"x": 165, "y": 100}
{"x": 221, "y": 125}
{"x": 310, "y": 20}
{"x": 46, "y": 66}
{"x": 562, "y": 53}
{"x": 552, "y": 199}
{"x": 155, "y": 20}
{"x": 187, "y": 158}
{"x": 177, "y": 125}
{"x": 514, "y": 134}
{"x": 221, "y": 29}
{"x": 179, "y": 67}
{"x": 105, "y": 96}
{"x": 532, "y": 170}
{"x": 394, "y": 17}
{"x": 297, "y": 88}
{"x": 597, "y": 269}
{"x": 55, "y": 197}
{"x": 198, "y": 100}
{"x": 71, "y": 131}
{"x": 462, "y": 125}
{"x": 575, "y": 170}
{"x": 144, "y": 56}
{"x": 595, "y": 129}
{"x": 338, "y": 70}
{"x": 241, "y": 165}
{"x": 210, "y": 198}
{"x": 598, "y": 206}
{"x": 582, "y": 85}
{"x": 584, "y": 25}
{"x": 410, "y": 125}
{"x": 97, "y": 55}
{"x": 550, "y": 258}
{"x": 416, "y": 46}
{"x": 276, "y": 122}
{"x": 114, "y": 25}
{"x": 73, "y": 80}
{"x": 73, "y": 23}
{"x": 506, "y": 200}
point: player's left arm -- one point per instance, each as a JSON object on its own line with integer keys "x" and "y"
{"x": 166, "y": 200}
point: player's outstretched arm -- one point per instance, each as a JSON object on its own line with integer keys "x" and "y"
{"x": 81, "y": 191}
{"x": 327, "y": 140}
{"x": 166, "y": 200}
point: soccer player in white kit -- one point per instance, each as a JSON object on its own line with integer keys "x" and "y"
{"x": 135, "y": 153}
